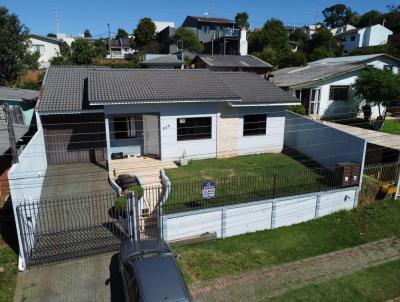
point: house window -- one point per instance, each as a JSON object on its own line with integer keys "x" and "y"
{"x": 255, "y": 124}
{"x": 179, "y": 44}
{"x": 353, "y": 38}
{"x": 124, "y": 127}
{"x": 339, "y": 93}
{"x": 37, "y": 48}
{"x": 388, "y": 68}
{"x": 193, "y": 128}
{"x": 205, "y": 29}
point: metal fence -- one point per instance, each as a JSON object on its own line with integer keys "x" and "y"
{"x": 190, "y": 195}
{"x": 71, "y": 227}
{"x": 384, "y": 172}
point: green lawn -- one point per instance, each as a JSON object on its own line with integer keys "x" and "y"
{"x": 379, "y": 283}
{"x": 254, "y": 251}
{"x": 8, "y": 272}
{"x": 240, "y": 179}
{"x": 391, "y": 126}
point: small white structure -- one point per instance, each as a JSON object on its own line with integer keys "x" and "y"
{"x": 363, "y": 37}
{"x": 66, "y": 38}
{"x": 244, "y": 45}
{"x": 339, "y": 30}
{"x": 47, "y": 47}
{"x": 160, "y": 25}
{"x": 325, "y": 87}
{"x": 311, "y": 29}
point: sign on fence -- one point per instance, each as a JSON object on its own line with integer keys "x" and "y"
{"x": 208, "y": 189}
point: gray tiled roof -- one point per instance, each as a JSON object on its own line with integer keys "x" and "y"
{"x": 124, "y": 85}
{"x": 292, "y": 76}
{"x": 164, "y": 59}
{"x": 254, "y": 89}
{"x": 19, "y": 131}
{"x": 72, "y": 89}
{"x": 212, "y": 19}
{"x": 65, "y": 89}
{"x": 233, "y": 61}
{"x": 7, "y": 93}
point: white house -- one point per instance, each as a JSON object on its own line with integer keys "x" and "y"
{"x": 46, "y": 46}
{"x": 325, "y": 86}
{"x": 363, "y": 37}
{"x": 164, "y": 113}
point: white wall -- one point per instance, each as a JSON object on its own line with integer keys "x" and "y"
{"x": 26, "y": 180}
{"x": 172, "y": 149}
{"x": 47, "y": 51}
{"x": 272, "y": 141}
{"x": 368, "y": 36}
{"x": 256, "y": 216}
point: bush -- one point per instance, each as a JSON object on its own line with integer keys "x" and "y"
{"x": 120, "y": 201}
{"x": 299, "y": 109}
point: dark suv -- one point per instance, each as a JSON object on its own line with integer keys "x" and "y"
{"x": 150, "y": 274}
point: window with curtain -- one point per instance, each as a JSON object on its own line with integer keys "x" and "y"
{"x": 124, "y": 127}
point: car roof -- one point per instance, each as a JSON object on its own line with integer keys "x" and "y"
{"x": 130, "y": 249}
{"x": 159, "y": 279}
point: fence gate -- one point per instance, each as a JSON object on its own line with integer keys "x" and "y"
{"x": 70, "y": 227}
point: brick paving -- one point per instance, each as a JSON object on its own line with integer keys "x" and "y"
{"x": 274, "y": 281}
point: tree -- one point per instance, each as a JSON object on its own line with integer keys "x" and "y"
{"x": 15, "y": 57}
{"x": 242, "y": 20}
{"x": 82, "y": 52}
{"x": 378, "y": 88}
{"x": 145, "y": 32}
{"x": 51, "y": 35}
{"x": 188, "y": 39}
{"x": 370, "y": 18}
{"x": 322, "y": 45}
{"x": 100, "y": 48}
{"x": 87, "y": 33}
{"x": 338, "y": 15}
{"x": 121, "y": 34}
{"x": 298, "y": 35}
{"x": 292, "y": 59}
{"x": 276, "y": 35}
{"x": 269, "y": 55}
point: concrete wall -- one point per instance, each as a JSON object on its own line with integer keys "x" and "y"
{"x": 26, "y": 181}
{"x": 256, "y": 216}
{"x": 321, "y": 143}
{"x": 224, "y": 121}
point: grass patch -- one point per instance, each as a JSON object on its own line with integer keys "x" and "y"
{"x": 391, "y": 126}
{"x": 379, "y": 283}
{"x": 241, "y": 179}
{"x": 8, "y": 272}
{"x": 257, "y": 250}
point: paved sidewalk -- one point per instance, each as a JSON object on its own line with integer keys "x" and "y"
{"x": 274, "y": 281}
{"x": 93, "y": 279}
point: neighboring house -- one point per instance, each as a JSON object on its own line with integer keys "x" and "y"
{"x": 218, "y": 35}
{"x": 311, "y": 29}
{"x": 247, "y": 63}
{"x": 363, "y": 37}
{"x": 119, "y": 48}
{"x": 174, "y": 61}
{"x": 66, "y": 38}
{"x": 325, "y": 86}
{"x": 46, "y": 46}
{"x": 160, "y": 25}
{"x": 20, "y": 103}
{"x": 160, "y": 113}
{"x": 338, "y": 30}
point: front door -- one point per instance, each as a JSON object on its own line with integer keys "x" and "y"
{"x": 151, "y": 134}
{"x": 314, "y": 102}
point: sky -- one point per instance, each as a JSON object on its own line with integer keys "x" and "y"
{"x": 77, "y": 15}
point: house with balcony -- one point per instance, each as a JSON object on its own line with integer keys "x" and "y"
{"x": 119, "y": 48}
{"x": 218, "y": 35}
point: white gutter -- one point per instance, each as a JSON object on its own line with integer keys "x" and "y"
{"x": 263, "y": 105}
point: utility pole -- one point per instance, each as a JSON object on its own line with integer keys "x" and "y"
{"x": 109, "y": 39}
{"x": 11, "y": 134}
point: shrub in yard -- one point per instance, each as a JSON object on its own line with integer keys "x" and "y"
{"x": 299, "y": 109}
{"x": 120, "y": 201}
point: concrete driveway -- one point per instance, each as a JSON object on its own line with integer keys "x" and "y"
{"x": 93, "y": 279}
